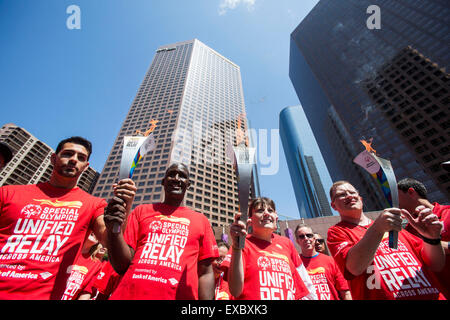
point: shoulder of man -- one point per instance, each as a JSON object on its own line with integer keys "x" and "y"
{"x": 19, "y": 188}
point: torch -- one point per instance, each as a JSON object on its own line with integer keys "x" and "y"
{"x": 134, "y": 149}
{"x": 242, "y": 157}
{"x": 381, "y": 170}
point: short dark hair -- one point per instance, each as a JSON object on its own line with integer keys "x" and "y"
{"x": 6, "y": 151}
{"x": 173, "y": 164}
{"x": 302, "y": 225}
{"x": 418, "y": 186}
{"x": 76, "y": 140}
{"x": 260, "y": 200}
{"x": 337, "y": 184}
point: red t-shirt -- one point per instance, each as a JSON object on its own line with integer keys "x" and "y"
{"x": 81, "y": 273}
{"x": 394, "y": 274}
{"x": 326, "y": 276}
{"x": 270, "y": 270}
{"x": 443, "y": 213}
{"x": 105, "y": 283}
{"x": 442, "y": 278}
{"x": 169, "y": 242}
{"x": 42, "y": 229}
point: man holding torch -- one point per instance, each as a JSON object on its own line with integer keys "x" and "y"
{"x": 374, "y": 270}
{"x": 43, "y": 226}
{"x": 166, "y": 251}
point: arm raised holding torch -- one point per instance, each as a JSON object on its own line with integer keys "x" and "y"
{"x": 134, "y": 149}
{"x": 382, "y": 171}
{"x": 243, "y": 164}
{"x": 119, "y": 207}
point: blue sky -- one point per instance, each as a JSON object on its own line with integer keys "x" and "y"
{"x": 56, "y": 82}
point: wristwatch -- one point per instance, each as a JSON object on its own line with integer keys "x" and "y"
{"x": 431, "y": 241}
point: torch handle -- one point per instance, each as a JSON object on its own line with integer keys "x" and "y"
{"x": 116, "y": 228}
{"x": 244, "y": 182}
{"x": 393, "y": 239}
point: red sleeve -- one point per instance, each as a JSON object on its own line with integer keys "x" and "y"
{"x": 339, "y": 243}
{"x": 208, "y": 246}
{"x": 444, "y": 216}
{"x": 99, "y": 209}
{"x": 93, "y": 280}
{"x": 132, "y": 229}
{"x": 107, "y": 280}
{"x": 446, "y": 230}
{"x": 294, "y": 255}
{"x": 2, "y": 201}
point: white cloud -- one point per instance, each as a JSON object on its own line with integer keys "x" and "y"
{"x": 226, "y": 5}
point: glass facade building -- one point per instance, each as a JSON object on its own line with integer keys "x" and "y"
{"x": 193, "y": 97}
{"x": 31, "y": 162}
{"x": 337, "y": 65}
{"x": 312, "y": 200}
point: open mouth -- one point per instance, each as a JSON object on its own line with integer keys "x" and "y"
{"x": 267, "y": 220}
{"x": 175, "y": 187}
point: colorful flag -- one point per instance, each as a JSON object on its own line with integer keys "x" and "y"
{"x": 147, "y": 146}
{"x": 381, "y": 169}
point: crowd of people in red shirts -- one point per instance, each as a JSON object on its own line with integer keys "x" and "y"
{"x": 59, "y": 242}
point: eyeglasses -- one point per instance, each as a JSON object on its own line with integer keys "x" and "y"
{"x": 343, "y": 195}
{"x": 321, "y": 241}
{"x": 308, "y": 235}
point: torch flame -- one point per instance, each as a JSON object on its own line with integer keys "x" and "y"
{"x": 240, "y": 135}
{"x": 150, "y": 130}
{"x": 368, "y": 145}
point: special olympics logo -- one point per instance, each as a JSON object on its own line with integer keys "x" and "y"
{"x": 263, "y": 262}
{"x": 31, "y": 210}
{"x": 155, "y": 226}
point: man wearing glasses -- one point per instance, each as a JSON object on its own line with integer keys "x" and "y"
{"x": 361, "y": 249}
{"x": 322, "y": 269}
{"x": 320, "y": 244}
{"x": 221, "y": 291}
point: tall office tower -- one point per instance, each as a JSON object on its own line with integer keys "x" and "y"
{"x": 312, "y": 201}
{"x": 334, "y": 55}
{"x": 193, "y": 98}
{"x": 414, "y": 95}
{"x": 320, "y": 192}
{"x": 31, "y": 160}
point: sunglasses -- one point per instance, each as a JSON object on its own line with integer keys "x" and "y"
{"x": 302, "y": 236}
{"x": 321, "y": 241}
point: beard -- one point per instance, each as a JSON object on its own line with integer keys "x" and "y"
{"x": 67, "y": 171}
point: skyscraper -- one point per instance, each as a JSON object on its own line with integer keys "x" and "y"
{"x": 334, "y": 56}
{"x": 311, "y": 198}
{"x": 192, "y": 98}
{"x": 31, "y": 160}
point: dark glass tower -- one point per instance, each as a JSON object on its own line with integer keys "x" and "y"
{"x": 311, "y": 198}
{"x": 337, "y": 66}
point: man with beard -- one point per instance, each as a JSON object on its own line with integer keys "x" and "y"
{"x": 167, "y": 250}
{"x": 43, "y": 226}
